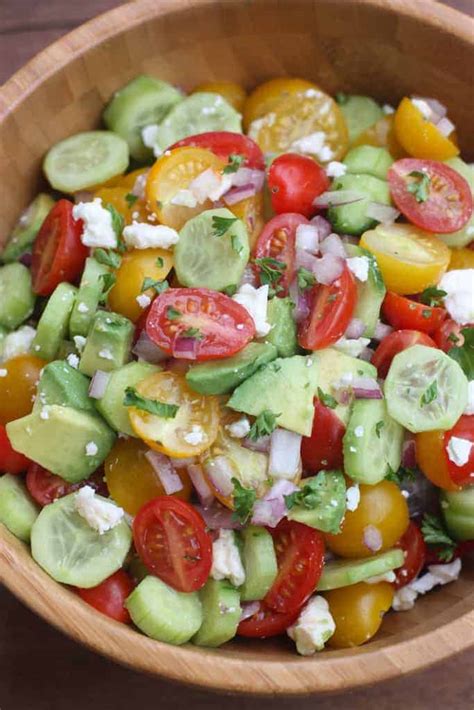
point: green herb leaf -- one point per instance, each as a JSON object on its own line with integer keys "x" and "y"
{"x": 235, "y": 161}
{"x": 173, "y": 313}
{"x": 271, "y": 270}
{"x": 430, "y": 394}
{"x": 420, "y": 187}
{"x": 108, "y": 282}
{"x": 236, "y": 243}
{"x": 305, "y": 279}
{"x": 378, "y": 428}
{"x": 130, "y": 199}
{"x": 191, "y": 333}
{"x": 263, "y": 425}
{"x": 312, "y": 495}
{"x": 108, "y": 257}
{"x": 117, "y": 219}
{"x": 464, "y": 354}
{"x": 435, "y": 534}
{"x": 433, "y": 296}
{"x": 426, "y": 313}
{"x": 220, "y": 225}
{"x": 244, "y": 499}
{"x": 230, "y": 290}
{"x": 159, "y": 286}
{"x": 404, "y": 473}
{"x": 152, "y": 406}
{"x": 159, "y": 262}
{"x": 327, "y": 399}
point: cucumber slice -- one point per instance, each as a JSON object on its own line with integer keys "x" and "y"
{"x": 88, "y": 297}
{"x": 54, "y": 321}
{"x": 18, "y": 511}
{"x": 458, "y": 513}
{"x": 3, "y": 335}
{"x": 372, "y": 443}
{"x": 199, "y": 113}
{"x": 85, "y": 159}
{"x": 368, "y": 160}
{"x": 370, "y": 293}
{"x": 352, "y": 218}
{"x": 463, "y": 236}
{"x": 17, "y": 299}
{"x": 143, "y": 101}
{"x": 221, "y": 613}
{"x": 425, "y": 389}
{"x": 70, "y": 551}
{"x": 259, "y": 561}
{"x": 360, "y": 113}
{"x": 283, "y": 333}
{"x": 27, "y": 227}
{"x": 202, "y": 259}
{"x": 343, "y": 573}
{"x": 163, "y": 613}
{"x": 327, "y": 509}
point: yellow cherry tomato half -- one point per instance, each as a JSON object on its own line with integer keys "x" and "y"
{"x": 136, "y": 266}
{"x": 381, "y": 135}
{"x": 358, "y": 611}
{"x": 419, "y": 137}
{"x": 232, "y": 92}
{"x": 266, "y": 96}
{"x": 250, "y": 211}
{"x": 172, "y": 172}
{"x": 18, "y": 386}
{"x": 410, "y": 259}
{"x": 381, "y": 516}
{"x": 132, "y": 480}
{"x": 130, "y": 179}
{"x": 125, "y": 203}
{"x": 193, "y": 428}
{"x": 461, "y": 259}
{"x": 431, "y": 458}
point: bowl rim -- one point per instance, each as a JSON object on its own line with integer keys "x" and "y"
{"x": 450, "y": 633}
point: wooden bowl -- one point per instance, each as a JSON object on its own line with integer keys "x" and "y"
{"x": 385, "y": 48}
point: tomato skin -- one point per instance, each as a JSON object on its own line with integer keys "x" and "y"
{"x": 449, "y": 203}
{"x": 393, "y": 344}
{"x": 18, "y": 386}
{"x": 225, "y": 143}
{"x": 10, "y": 460}
{"x": 58, "y": 253}
{"x": 266, "y": 622}
{"x": 171, "y": 539}
{"x": 448, "y": 335}
{"x": 413, "y": 545}
{"x": 277, "y": 241}
{"x": 214, "y": 314}
{"x": 300, "y": 554}
{"x": 358, "y": 611}
{"x": 323, "y": 449}
{"x": 331, "y": 311}
{"x": 109, "y": 596}
{"x": 404, "y": 314}
{"x": 295, "y": 181}
{"x": 46, "y": 487}
{"x": 463, "y": 429}
{"x": 432, "y": 459}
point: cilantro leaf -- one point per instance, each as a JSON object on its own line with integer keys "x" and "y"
{"x": 435, "y": 534}
{"x": 244, "y": 499}
{"x": 432, "y": 296}
{"x": 305, "y": 279}
{"x": 130, "y": 199}
{"x": 191, "y": 333}
{"x": 464, "y": 354}
{"x": 159, "y": 262}
{"x": 420, "y": 187}
{"x": 263, "y": 425}
{"x": 108, "y": 282}
{"x": 230, "y": 290}
{"x": 117, "y": 219}
{"x": 270, "y": 271}
{"x": 220, "y": 225}
{"x": 173, "y": 313}
{"x": 159, "y": 286}
{"x": 236, "y": 243}
{"x": 327, "y": 399}
{"x": 152, "y": 406}
{"x": 430, "y": 394}
{"x": 404, "y": 473}
{"x": 108, "y": 257}
{"x": 235, "y": 161}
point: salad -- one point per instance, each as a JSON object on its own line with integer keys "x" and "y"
{"x": 237, "y": 362}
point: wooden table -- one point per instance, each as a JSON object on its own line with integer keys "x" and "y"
{"x": 40, "y": 669}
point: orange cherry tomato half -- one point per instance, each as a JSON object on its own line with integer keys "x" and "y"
{"x": 432, "y": 459}
{"x": 294, "y": 182}
{"x": 109, "y": 596}
{"x": 277, "y": 243}
{"x": 323, "y": 449}
{"x": 419, "y": 137}
{"x": 393, "y": 344}
{"x": 405, "y": 314}
{"x": 358, "y": 611}
{"x": 414, "y": 547}
{"x": 18, "y": 386}
{"x": 10, "y": 460}
{"x": 462, "y": 474}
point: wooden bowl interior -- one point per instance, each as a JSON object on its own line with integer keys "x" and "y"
{"x": 383, "y": 48}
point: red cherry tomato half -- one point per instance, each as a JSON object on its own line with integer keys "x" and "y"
{"x": 171, "y": 539}
{"x": 404, "y": 314}
{"x": 323, "y": 449}
{"x": 295, "y": 181}
{"x": 10, "y": 460}
{"x": 109, "y": 596}
{"x": 414, "y": 547}
{"x": 393, "y": 344}
{"x": 449, "y": 335}
{"x": 277, "y": 241}
{"x": 266, "y": 622}
{"x": 211, "y": 325}
{"x": 430, "y": 194}
{"x": 462, "y": 475}
{"x": 58, "y": 253}
{"x": 224, "y": 144}
{"x": 300, "y": 554}
{"x": 45, "y": 487}
{"x": 331, "y": 310}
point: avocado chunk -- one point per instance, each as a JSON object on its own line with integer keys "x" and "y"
{"x": 352, "y": 218}
{"x": 108, "y": 343}
{"x": 321, "y": 502}
{"x": 343, "y": 573}
{"x": 111, "y": 404}
{"x": 370, "y": 293}
{"x": 68, "y": 442}
{"x": 248, "y": 467}
{"x": 283, "y": 332}
{"x": 27, "y": 227}
{"x": 285, "y": 387}
{"x": 368, "y": 160}
{"x": 62, "y": 384}
{"x": 222, "y": 376}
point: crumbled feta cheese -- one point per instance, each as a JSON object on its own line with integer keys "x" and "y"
{"x": 239, "y": 429}
{"x": 91, "y": 448}
{"x": 140, "y": 185}
{"x": 359, "y": 265}
{"x": 309, "y": 362}
{"x": 82, "y": 308}
{"x": 3, "y": 372}
{"x": 359, "y": 431}
{"x": 150, "y": 138}
{"x": 423, "y": 107}
{"x": 73, "y": 360}
{"x": 313, "y": 628}
{"x": 102, "y": 515}
{"x": 257, "y": 125}
{"x": 336, "y": 169}
{"x": 106, "y": 354}
{"x": 226, "y": 561}
{"x": 141, "y": 235}
{"x": 80, "y": 342}
{"x": 313, "y": 144}
{"x": 470, "y": 398}
{"x": 184, "y": 198}
{"x": 388, "y": 109}
{"x": 210, "y": 185}
{"x": 255, "y": 301}
{"x": 98, "y": 229}
{"x": 459, "y": 450}
{"x": 44, "y": 414}
{"x": 195, "y": 436}
{"x": 405, "y": 597}
{"x": 352, "y": 449}
{"x": 18, "y": 343}
{"x": 459, "y": 301}
{"x": 351, "y": 346}
{"x": 143, "y": 300}
{"x": 385, "y": 577}
{"x": 307, "y": 238}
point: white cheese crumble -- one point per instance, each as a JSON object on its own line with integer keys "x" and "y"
{"x": 141, "y": 235}
{"x": 255, "y": 301}
{"x": 143, "y": 300}
{"x": 150, "y": 138}
{"x": 73, "y": 360}
{"x": 359, "y": 431}
{"x": 459, "y": 450}
{"x": 239, "y": 429}
{"x": 359, "y": 265}
{"x": 226, "y": 561}
{"x": 210, "y": 185}
{"x": 335, "y": 169}
{"x": 470, "y": 398}
{"x": 101, "y": 515}
{"x": 18, "y": 343}
{"x": 405, "y": 597}
{"x": 459, "y": 301}
{"x": 98, "y": 229}
{"x": 423, "y": 107}
{"x": 351, "y": 346}
{"x": 91, "y": 448}
{"x": 184, "y": 198}
{"x": 385, "y": 577}
{"x": 82, "y": 308}
{"x": 106, "y": 354}
{"x": 195, "y": 436}
{"x": 3, "y": 372}
{"x": 313, "y": 144}
{"x": 80, "y": 342}
{"x": 313, "y": 627}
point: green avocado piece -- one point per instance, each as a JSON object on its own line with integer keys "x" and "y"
{"x": 323, "y": 502}
{"x": 108, "y": 343}
{"x": 67, "y": 442}
{"x": 220, "y": 611}
{"x": 370, "y": 293}
{"x": 360, "y": 113}
{"x": 368, "y": 160}
{"x": 457, "y": 508}
{"x": 343, "y": 573}
{"x": 222, "y": 376}
{"x": 62, "y": 384}
{"x": 285, "y": 387}
{"x": 27, "y": 227}
{"x": 283, "y": 332}
{"x": 352, "y": 218}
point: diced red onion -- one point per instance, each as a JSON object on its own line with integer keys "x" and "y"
{"x": 302, "y": 299}
{"x": 220, "y": 472}
{"x": 249, "y": 276}
{"x": 382, "y": 330}
{"x": 385, "y": 214}
{"x": 342, "y": 395}
{"x": 349, "y": 239}
{"x": 285, "y": 447}
{"x": 203, "y": 490}
{"x": 183, "y": 462}
{"x": 145, "y": 349}
{"x": 323, "y": 226}
{"x": 237, "y": 194}
{"x": 355, "y": 329}
{"x": 367, "y": 354}
{"x": 26, "y": 259}
{"x": 438, "y": 109}
{"x": 307, "y": 238}
{"x": 262, "y": 444}
{"x": 366, "y": 388}
{"x": 305, "y": 260}
{"x": 185, "y": 348}
{"x": 217, "y": 517}
{"x": 409, "y": 452}
{"x": 337, "y": 197}
{"x": 372, "y": 538}
{"x": 164, "y": 469}
{"x": 249, "y": 609}
{"x": 422, "y": 497}
{"x": 445, "y": 126}
{"x": 328, "y": 268}
{"x": 270, "y": 509}
{"x": 333, "y": 245}
{"x": 98, "y": 384}
{"x": 248, "y": 176}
